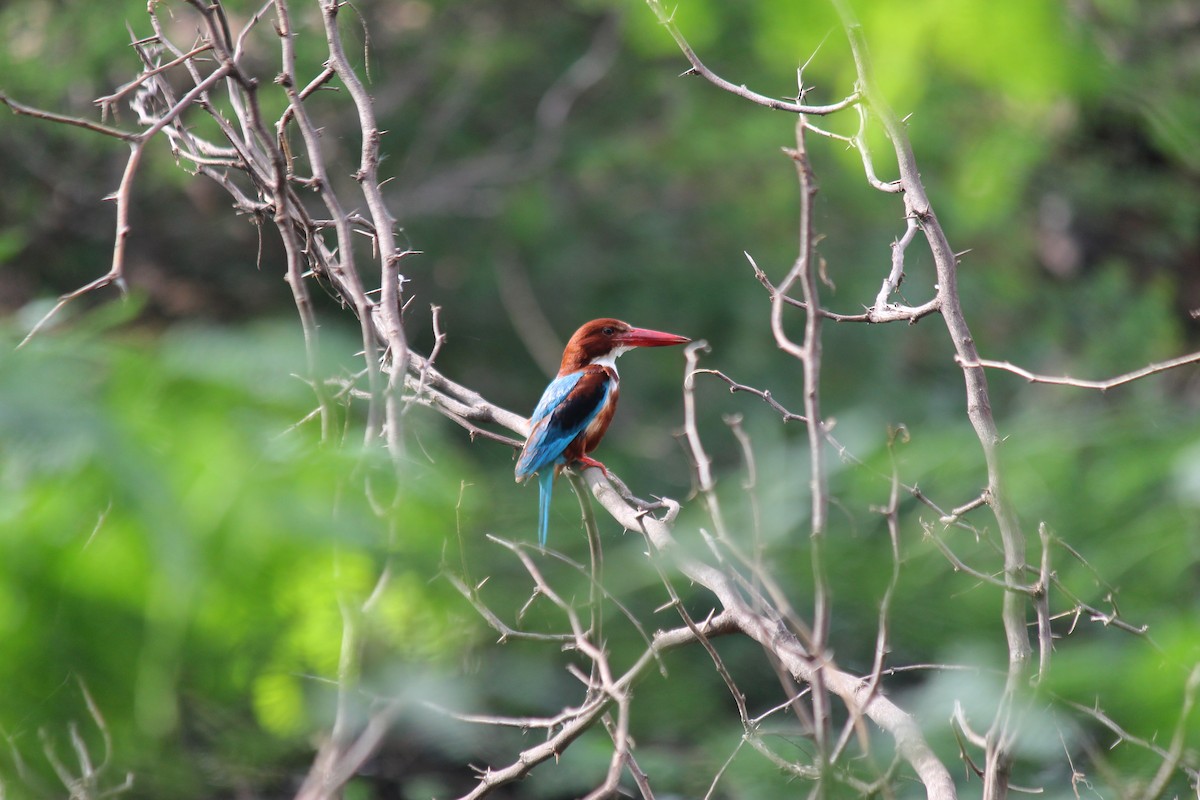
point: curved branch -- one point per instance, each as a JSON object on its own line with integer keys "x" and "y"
{"x": 698, "y": 68}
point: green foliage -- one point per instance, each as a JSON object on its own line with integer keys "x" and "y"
{"x": 39, "y": 36}
{"x": 179, "y": 548}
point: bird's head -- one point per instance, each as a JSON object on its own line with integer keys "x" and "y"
{"x": 602, "y": 340}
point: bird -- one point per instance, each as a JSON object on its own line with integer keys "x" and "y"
{"x": 577, "y": 407}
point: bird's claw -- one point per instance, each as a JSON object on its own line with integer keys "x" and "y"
{"x": 588, "y": 461}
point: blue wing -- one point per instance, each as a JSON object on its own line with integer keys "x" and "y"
{"x": 554, "y": 394}
{"x": 569, "y": 403}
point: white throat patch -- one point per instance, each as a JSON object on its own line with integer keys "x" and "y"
{"x": 610, "y": 359}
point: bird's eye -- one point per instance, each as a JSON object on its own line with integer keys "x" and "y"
{"x": 609, "y": 331}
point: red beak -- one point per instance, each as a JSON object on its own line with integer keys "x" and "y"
{"x": 641, "y": 337}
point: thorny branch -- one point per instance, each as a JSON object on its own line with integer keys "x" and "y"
{"x": 809, "y": 352}
{"x": 698, "y": 68}
{"x": 610, "y": 689}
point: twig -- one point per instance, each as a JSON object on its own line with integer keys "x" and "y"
{"x": 891, "y": 514}
{"x": 860, "y": 141}
{"x": 64, "y": 119}
{"x": 809, "y": 354}
{"x": 763, "y": 394}
{"x": 88, "y": 783}
{"x": 109, "y": 100}
{"x": 1190, "y": 690}
{"x": 1101, "y": 385}
{"x": 335, "y": 766}
{"x": 876, "y": 314}
{"x": 712, "y": 787}
{"x": 116, "y": 273}
{"x": 1041, "y": 605}
{"x": 439, "y": 339}
{"x": 574, "y": 726}
{"x": 961, "y": 566}
{"x": 891, "y": 283}
{"x": 506, "y": 631}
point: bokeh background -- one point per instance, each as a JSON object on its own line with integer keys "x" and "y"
{"x": 175, "y": 539}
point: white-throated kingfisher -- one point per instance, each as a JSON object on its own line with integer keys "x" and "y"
{"x": 578, "y": 405}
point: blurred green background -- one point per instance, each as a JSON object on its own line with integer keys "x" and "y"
{"x": 176, "y": 539}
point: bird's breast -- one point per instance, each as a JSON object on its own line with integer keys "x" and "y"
{"x": 596, "y": 429}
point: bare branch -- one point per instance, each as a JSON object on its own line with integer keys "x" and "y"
{"x": 879, "y": 313}
{"x": 1168, "y": 756}
{"x": 85, "y": 779}
{"x": 698, "y": 68}
{"x": 575, "y": 724}
{"x": 116, "y": 273}
{"x": 109, "y": 100}
{"x": 766, "y": 629}
{"x": 63, "y": 119}
{"x": 891, "y": 514}
{"x": 891, "y": 284}
{"x": 764, "y": 394}
{"x": 960, "y": 566}
{"x": 336, "y": 764}
{"x": 1041, "y": 605}
{"x": 1101, "y": 385}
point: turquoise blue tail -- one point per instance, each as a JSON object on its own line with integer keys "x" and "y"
{"x": 545, "y": 487}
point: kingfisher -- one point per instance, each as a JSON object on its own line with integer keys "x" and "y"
{"x": 578, "y": 405}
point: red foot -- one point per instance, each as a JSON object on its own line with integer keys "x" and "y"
{"x": 588, "y": 461}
